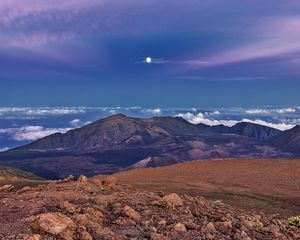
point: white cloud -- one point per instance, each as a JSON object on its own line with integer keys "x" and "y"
{"x": 270, "y": 111}
{"x": 201, "y": 118}
{"x": 280, "y": 126}
{"x": 31, "y": 133}
{"x": 4, "y": 149}
{"x": 75, "y": 123}
{"x": 45, "y": 111}
{"x": 153, "y": 111}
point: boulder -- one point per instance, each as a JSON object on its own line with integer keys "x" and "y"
{"x": 6, "y": 188}
{"x": 179, "y": 227}
{"x": 172, "y": 200}
{"x": 24, "y": 189}
{"x": 55, "y": 224}
{"x": 83, "y": 179}
{"x": 68, "y": 179}
{"x": 110, "y": 181}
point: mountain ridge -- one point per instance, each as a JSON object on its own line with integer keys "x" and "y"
{"x": 118, "y": 142}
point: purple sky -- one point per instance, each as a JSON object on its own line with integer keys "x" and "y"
{"x": 51, "y": 51}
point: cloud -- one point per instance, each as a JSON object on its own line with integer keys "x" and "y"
{"x": 277, "y": 36}
{"x": 75, "y": 123}
{"x": 258, "y": 111}
{"x": 201, "y": 118}
{"x": 152, "y": 111}
{"x": 31, "y": 133}
{"x": 4, "y": 149}
{"x": 179, "y": 62}
{"x": 31, "y": 113}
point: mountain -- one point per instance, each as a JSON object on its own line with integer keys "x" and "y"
{"x": 9, "y": 174}
{"x": 248, "y": 129}
{"x": 288, "y": 141}
{"x": 119, "y": 142}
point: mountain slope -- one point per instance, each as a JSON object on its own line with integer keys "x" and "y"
{"x": 248, "y": 129}
{"x": 288, "y": 141}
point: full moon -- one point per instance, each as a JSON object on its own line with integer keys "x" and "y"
{"x": 148, "y": 60}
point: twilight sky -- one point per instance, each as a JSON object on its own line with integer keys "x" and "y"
{"x": 204, "y": 53}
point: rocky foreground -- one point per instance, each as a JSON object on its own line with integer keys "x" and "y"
{"x": 101, "y": 209}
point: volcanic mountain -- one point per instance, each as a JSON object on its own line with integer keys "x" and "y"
{"x": 119, "y": 142}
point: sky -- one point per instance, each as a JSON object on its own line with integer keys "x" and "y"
{"x": 208, "y": 53}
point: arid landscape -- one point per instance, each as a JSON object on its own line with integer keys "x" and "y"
{"x": 149, "y": 120}
{"x": 244, "y": 199}
{"x": 269, "y": 185}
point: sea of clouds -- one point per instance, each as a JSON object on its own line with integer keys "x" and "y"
{"x": 19, "y": 126}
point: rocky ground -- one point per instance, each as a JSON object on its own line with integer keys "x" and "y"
{"x": 102, "y": 209}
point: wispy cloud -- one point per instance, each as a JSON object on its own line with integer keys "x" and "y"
{"x": 276, "y": 36}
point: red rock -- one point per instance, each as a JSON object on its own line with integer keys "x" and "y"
{"x": 131, "y": 213}
{"x": 172, "y": 200}
{"x": 55, "y": 224}
{"x": 6, "y": 188}
{"x": 110, "y": 181}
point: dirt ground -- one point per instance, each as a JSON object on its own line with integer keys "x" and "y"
{"x": 268, "y": 185}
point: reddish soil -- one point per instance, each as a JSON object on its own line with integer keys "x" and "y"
{"x": 269, "y": 185}
{"x": 95, "y": 209}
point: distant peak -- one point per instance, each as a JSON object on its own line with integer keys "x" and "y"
{"x": 117, "y": 116}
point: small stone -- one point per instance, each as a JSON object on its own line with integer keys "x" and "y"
{"x": 209, "y": 228}
{"x": 172, "y": 200}
{"x": 227, "y": 225}
{"x": 70, "y": 208}
{"x": 6, "y": 188}
{"x": 83, "y": 179}
{"x": 131, "y": 213}
{"x": 96, "y": 180}
{"x": 85, "y": 236}
{"x": 68, "y": 179}
{"x": 110, "y": 181}
{"x": 179, "y": 227}
{"x": 35, "y": 237}
{"x": 191, "y": 225}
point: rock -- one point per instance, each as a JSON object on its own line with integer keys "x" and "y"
{"x": 227, "y": 225}
{"x": 35, "y": 237}
{"x": 84, "y": 235}
{"x": 56, "y": 224}
{"x": 97, "y": 180}
{"x": 172, "y": 200}
{"x": 110, "y": 181}
{"x": 24, "y": 189}
{"x": 83, "y": 179}
{"x": 68, "y": 179}
{"x": 191, "y": 225}
{"x": 179, "y": 227}
{"x": 209, "y": 228}
{"x": 70, "y": 208}
{"x": 131, "y": 213}
{"x": 6, "y": 188}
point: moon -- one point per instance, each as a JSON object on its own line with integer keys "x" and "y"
{"x": 148, "y": 60}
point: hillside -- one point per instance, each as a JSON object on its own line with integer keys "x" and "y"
{"x": 288, "y": 141}
{"x": 96, "y": 209}
{"x": 270, "y": 185}
{"x": 11, "y": 174}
